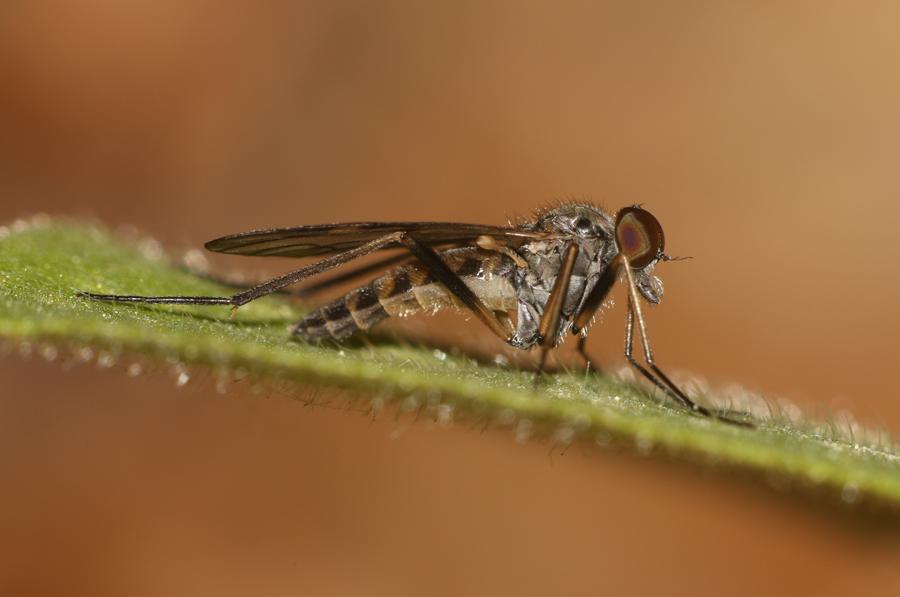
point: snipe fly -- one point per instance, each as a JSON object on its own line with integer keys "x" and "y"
{"x": 553, "y": 270}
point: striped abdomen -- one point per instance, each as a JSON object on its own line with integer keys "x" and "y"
{"x": 412, "y": 288}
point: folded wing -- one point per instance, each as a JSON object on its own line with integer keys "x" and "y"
{"x": 307, "y": 241}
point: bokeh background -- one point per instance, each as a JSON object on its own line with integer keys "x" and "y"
{"x": 764, "y": 136}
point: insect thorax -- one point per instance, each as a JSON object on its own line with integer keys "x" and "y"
{"x": 593, "y": 230}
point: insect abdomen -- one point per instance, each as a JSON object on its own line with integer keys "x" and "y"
{"x": 412, "y": 288}
{"x": 358, "y": 310}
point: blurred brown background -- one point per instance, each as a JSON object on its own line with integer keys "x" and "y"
{"x": 764, "y": 136}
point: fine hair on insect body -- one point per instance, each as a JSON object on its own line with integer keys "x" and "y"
{"x": 553, "y": 271}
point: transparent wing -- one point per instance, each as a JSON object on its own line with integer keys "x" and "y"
{"x": 306, "y": 241}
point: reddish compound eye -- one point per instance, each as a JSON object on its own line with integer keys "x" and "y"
{"x": 639, "y": 236}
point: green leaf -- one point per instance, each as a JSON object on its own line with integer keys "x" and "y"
{"x": 43, "y": 266}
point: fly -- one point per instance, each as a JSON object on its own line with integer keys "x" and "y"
{"x": 554, "y": 271}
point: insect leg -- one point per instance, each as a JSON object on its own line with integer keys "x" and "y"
{"x": 589, "y": 362}
{"x": 434, "y": 264}
{"x": 315, "y": 288}
{"x": 592, "y": 303}
{"x": 251, "y": 294}
{"x": 549, "y": 326}
{"x": 659, "y": 379}
{"x": 629, "y": 352}
{"x": 353, "y": 274}
{"x": 504, "y": 319}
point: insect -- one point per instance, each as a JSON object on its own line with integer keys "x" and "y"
{"x": 554, "y": 270}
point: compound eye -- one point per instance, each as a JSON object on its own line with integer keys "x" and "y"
{"x": 639, "y": 236}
